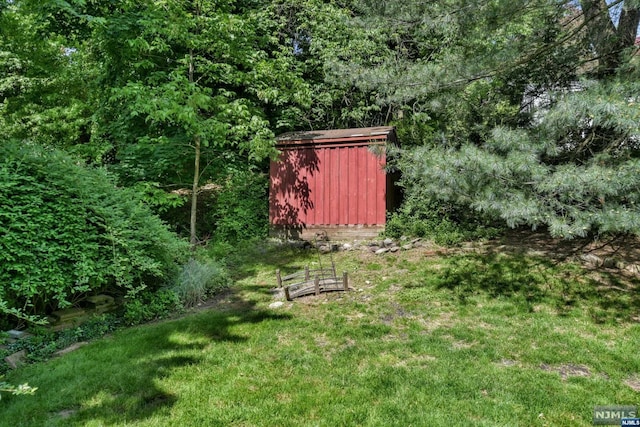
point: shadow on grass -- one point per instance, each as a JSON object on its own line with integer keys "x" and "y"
{"x": 250, "y": 259}
{"x": 121, "y": 376}
{"x": 528, "y": 281}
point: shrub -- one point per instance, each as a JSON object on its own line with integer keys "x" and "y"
{"x": 198, "y": 280}
{"x": 147, "y": 306}
{"x": 444, "y": 223}
{"x": 67, "y": 230}
{"x": 241, "y": 211}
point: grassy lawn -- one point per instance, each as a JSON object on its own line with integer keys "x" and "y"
{"x": 424, "y": 339}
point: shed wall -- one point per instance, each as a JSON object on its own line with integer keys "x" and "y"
{"x": 316, "y": 185}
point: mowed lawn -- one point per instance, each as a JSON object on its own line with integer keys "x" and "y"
{"x": 423, "y": 339}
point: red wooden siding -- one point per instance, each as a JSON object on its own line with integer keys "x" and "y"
{"x": 331, "y": 184}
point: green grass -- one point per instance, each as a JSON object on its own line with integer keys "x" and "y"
{"x": 483, "y": 340}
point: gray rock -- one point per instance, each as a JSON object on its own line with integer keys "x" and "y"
{"x": 276, "y": 304}
{"x": 611, "y": 263}
{"x": 382, "y": 251}
{"x": 347, "y": 246}
{"x": 72, "y": 347}
{"x": 592, "y": 260}
{"x": 16, "y": 359}
{"x": 394, "y": 249}
{"x": 16, "y": 335}
{"x": 374, "y": 249}
{"x": 388, "y": 242}
{"x": 407, "y": 247}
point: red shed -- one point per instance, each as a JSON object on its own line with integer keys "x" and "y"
{"x": 332, "y": 181}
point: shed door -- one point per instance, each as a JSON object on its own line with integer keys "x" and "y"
{"x": 316, "y": 185}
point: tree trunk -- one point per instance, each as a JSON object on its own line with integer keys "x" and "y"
{"x": 194, "y": 194}
{"x": 193, "y": 237}
{"x": 607, "y": 40}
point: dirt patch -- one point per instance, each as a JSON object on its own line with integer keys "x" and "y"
{"x": 634, "y": 383}
{"x": 567, "y": 370}
{"x": 616, "y": 253}
{"x": 67, "y": 413}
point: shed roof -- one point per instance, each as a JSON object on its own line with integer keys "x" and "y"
{"x": 335, "y": 135}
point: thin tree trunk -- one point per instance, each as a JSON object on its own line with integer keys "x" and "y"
{"x": 196, "y": 175}
{"x": 194, "y": 194}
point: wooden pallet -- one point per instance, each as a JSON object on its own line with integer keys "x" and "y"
{"x": 312, "y": 282}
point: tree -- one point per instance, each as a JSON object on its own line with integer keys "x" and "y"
{"x": 189, "y": 76}
{"x": 43, "y": 82}
{"x": 460, "y": 72}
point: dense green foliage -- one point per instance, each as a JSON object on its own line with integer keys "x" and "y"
{"x": 518, "y": 113}
{"x": 523, "y": 111}
{"x": 68, "y": 231}
{"x": 241, "y": 209}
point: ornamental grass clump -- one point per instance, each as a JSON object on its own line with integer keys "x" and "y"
{"x": 199, "y": 280}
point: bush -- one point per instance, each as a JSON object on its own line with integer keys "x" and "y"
{"x": 241, "y": 211}
{"x": 67, "y": 231}
{"x": 443, "y": 223}
{"x": 43, "y": 342}
{"x": 199, "y": 280}
{"x": 147, "y": 306}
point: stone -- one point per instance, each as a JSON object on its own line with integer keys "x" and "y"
{"x": 382, "y": 251}
{"x": 16, "y": 335}
{"x": 324, "y": 249}
{"x": 347, "y": 247}
{"x": 394, "y": 249}
{"x": 407, "y": 247}
{"x": 374, "y": 249}
{"x": 276, "y": 304}
{"x": 69, "y": 314}
{"x": 591, "y": 259}
{"x": 610, "y": 263}
{"x": 72, "y": 347}
{"x": 97, "y": 300}
{"x": 16, "y": 359}
{"x": 388, "y": 242}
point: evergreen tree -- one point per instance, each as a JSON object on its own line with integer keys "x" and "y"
{"x": 524, "y": 111}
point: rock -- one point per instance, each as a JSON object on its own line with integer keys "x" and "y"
{"x": 394, "y": 249}
{"x": 98, "y": 300}
{"x": 414, "y": 241}
{"x": 374, "y": 249}
{"x": 633, "y": 268}
{"x": 388, "y": 242}
{"x": 69, "y": 314}
{"x": 611, "y": 263}
{"x": 16, "y": 335}
{"x": 382, "y": 251}
{"x": 71, "y": 348}
{"x": 277, "y": 293}
{"x": 276, "y": 304}
{"x": 592, "y": 260}
{"x": 347, "y": 247}
{"x": 407, "y": 247}
{"x": 16, "y": 359}
{"x": 403, "y": 238}
{"x": 324, "y": 249}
